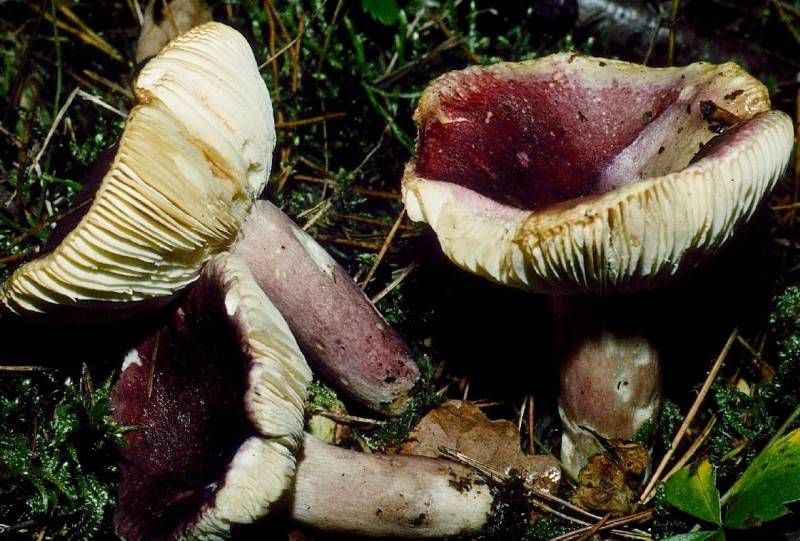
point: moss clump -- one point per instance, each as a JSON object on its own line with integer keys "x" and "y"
{"x": 58, "y": 451}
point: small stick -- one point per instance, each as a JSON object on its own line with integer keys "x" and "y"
{"x": 53, "y": 126}
{"x": 371, "y": 246}
{"x": 673, "y": 19}
{"x": 394, "y": 283}
{"x": 343, "y": 418}
{"x": 307, "y": 121}
{"x": 649, "y": 490}
{"x": 97, "y": 101}
{"x": 152, "y": 366}
{"x": 361, "y": 191}
{"x": 384, "y": 248}
{"x": 521, "y": 417}
{"x": 499, "y": 477}
{"x": 280, "y": 52}
{"x": 531, "y": 427}
{"x": 641, "y": 516}
{"x": 767, "y": 372}
{"x": 24, "y": 368}
{"x": 693, "y": 448}
{"x": 108, "y": 83}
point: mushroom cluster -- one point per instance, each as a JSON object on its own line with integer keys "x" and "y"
{"x": 567, "y": 175}
{"x": 170, "y": 225}
{"x": 585, "y": 178}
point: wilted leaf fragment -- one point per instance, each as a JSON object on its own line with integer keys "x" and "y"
{"x": 768, "y": 484}
{"x": 602, "y": 487}
{"x": 693, "y": 490}
{"x": 464, "y": 427}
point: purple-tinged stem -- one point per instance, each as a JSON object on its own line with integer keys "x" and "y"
{"x": 339, "y": 330}
{"x": 610, "y": 375}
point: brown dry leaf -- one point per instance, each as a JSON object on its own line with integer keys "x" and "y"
{"x": 603, "y": 488}
{"x": 464, "y": 427}
{"x": 164, "y": 21}
{"x": 327, "y": 429}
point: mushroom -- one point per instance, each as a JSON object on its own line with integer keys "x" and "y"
{"x": 193, "y": 156}
{"x": 338, "y": 328}
{"x": 215, "y": 399}
{"x": 572, "y": 175}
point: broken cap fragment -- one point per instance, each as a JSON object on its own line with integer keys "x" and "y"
{"x": 193, "y": 156}
{"x": 572, "y": 174}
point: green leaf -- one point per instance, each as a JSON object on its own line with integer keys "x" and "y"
{"x": 768, "y": 484}
{"x": 697, "y": 536}
{"x": 384, "y": 11}
{"x": 693, "y": 490}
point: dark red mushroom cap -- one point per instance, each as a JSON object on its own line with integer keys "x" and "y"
{"x": 215, "y": 399}
{"x": 572, "y": 174}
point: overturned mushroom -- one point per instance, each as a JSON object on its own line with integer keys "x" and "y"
{"x": 215, "y": 398}
{"x": 587, "y": 176}
{"x": 193, "y": 156}
{"x": 339, "y": 330}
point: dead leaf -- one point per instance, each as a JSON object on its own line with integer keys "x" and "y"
{"x": 464, "y": 427}
{"x": 164, "y": 21}
{"x": 603, "y": 487}
{"x": 327, "y": 429}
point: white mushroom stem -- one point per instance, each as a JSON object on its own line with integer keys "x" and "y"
{"x": 405, "y": 496}
{"x": 610, "y": 375}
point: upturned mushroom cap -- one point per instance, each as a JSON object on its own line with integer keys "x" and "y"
{"x": 574, "y": 174}
{"x": 216, "y": 401}
{"x": 194, "y": 155}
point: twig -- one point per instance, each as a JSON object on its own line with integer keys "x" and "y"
{"x": 531, "y": 427}
{"x": 97, "y": 101}
{"x": 641, "y": 516}
{"x": 521, "y": 417}
{"x": 449, "y": 35}
{"x": 361, "y": 191}
{"x": 24, "y": 368}
{"x": 328, "y": 34}
{"x": 371, "y": 246}
{"x": 673, "y": 19}
{"x": 306, "y": 121}
{"x": 53, "y": 126}
{"x": 151, "y": 366}
{"x": 786, "y": 20}
{"x": 649, "y": 490}
{"x": 280, "y": 52}
{"x": 109, "y": 83}
{"x": 499, "y": 477}
{"x": 767, "y": 372}
{"x": 687, "y": 456}
{"x": 342, "y": 418}
{"x": 394, "y": 283}
{"x": 384, "y": 248}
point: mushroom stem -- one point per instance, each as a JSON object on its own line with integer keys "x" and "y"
{"x": 405, "y": 496}
{"x": 610, "y": 375}
{"x": 336, "y": 326}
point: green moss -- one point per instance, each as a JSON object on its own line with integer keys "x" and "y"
{"x": 320, "y": 397}
{"x": 57, "y": 455}
{"x": 646, "y": 432}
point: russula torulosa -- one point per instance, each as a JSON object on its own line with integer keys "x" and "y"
{"x": 194, "y": 154}
{"x": 339, "y": 330}
{"x": 587, "y": 176}
{"x": 216, "y": 401}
